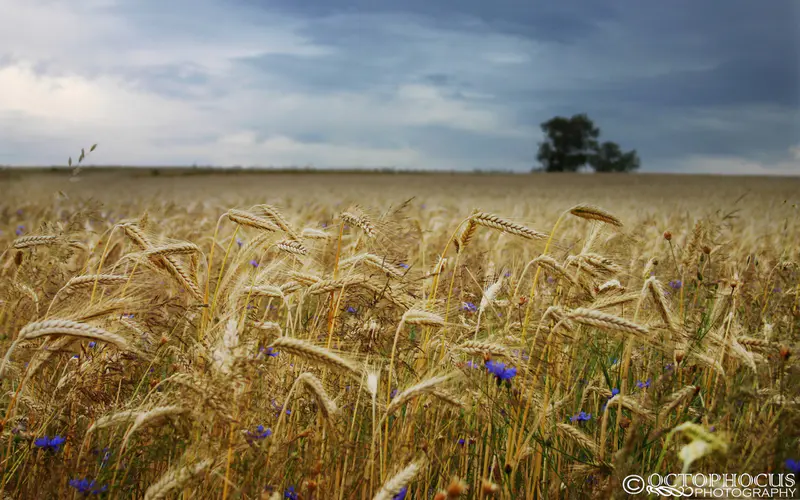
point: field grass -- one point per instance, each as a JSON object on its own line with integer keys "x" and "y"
{"x": 337, "y": 336}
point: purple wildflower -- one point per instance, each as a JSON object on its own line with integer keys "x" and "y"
{"x": 254, "y": 262}
{"x": 500, "y": 371}
{"x": 20, "y": 229}
{"x": 401, "y": 495}
{"x": 469, "y": 307}
{"x": 51, "y": 444}
{"x": 581, "y": 417}
{"x": 290, "y": 493}
{"x": 269, "y": 351}
{"x": 87, "y": 487}
{"x": 260, "y": 433}
{"x": 675, "y": 284}
{"x": 643, "y": 385}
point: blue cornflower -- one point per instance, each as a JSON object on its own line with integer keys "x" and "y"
{"x": 290, "y": 493}
{"x": 507, "y": 274}
{"x": 20, "y": 229}
{"x": 401, "y": 494}
{"x": 351, "y": 309}
{"x": 643, "y": 385}
{"x": 469, "y": 307}
{"x": 259, "y": 433}
{"x": 614, "y": 392}
{"x": 669, "y": 367}
{"x": 239, "y": 242}
{"x": 403, "y": 265}
{"x": 675, "y": 284}
{"x": 272, "y": 353}
{"x": 581, "y": 417}
{"x": 470, "y": 364}
{"x": 87, "y": 487}
{"x": 254, "y": 262}
{"x": 92, "y": 344}
{"x": 500, "y": 371}
{"x": 393, "y": 394}
{"x": 51, "y": 444}
{"x": 793, "y": 465}
{"x": 462, "y": 441}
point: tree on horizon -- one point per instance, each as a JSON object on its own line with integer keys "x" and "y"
{"x": 572, "y": 143}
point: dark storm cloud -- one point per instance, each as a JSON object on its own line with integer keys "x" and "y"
{"x": 463, "y": 83}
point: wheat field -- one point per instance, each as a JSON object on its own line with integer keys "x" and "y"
{"x": 393, "y": 336}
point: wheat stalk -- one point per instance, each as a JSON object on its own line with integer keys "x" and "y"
{"x": 152, "y": 417}
{"x": 496, "y": 222}
{"x": 590, "y": 212}
{"x": 34, "y": 240}
{"x": 310, "y": 351}
{"x": 182, "y": 248}
{"x": 358, "y": 218}
{"x": 396, "y": 483}
{"x": 577, "y": 436}
{"x": 483, "y": 347}
{"x": 326, "y": 404}
{"x": 244, "y": 218}
{"x": 605, "y": 321}
{"x": 176, "y": 478}
{"x": 422, "y": 317}
{"x": 273, "y": 214}
{"x": 426, "y": 386}
{"x": 293, "y": 247}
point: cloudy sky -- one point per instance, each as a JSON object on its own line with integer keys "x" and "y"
{"x": 694, "y": 86}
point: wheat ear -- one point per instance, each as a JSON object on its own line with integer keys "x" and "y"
{"x": 310, "y": 351}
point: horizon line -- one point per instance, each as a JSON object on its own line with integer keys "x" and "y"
{"x": 232, "y": 169}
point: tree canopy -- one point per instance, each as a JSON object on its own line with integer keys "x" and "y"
{"x": 572, "y": 143}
